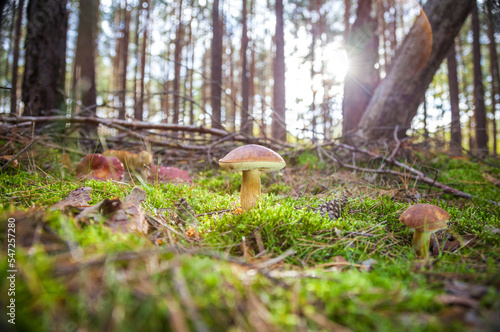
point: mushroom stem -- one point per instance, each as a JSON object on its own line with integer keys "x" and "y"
{"x": 421, "y": 243}
{"x": 250, "y": 189}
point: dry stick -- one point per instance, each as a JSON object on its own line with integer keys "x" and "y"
{"x": 18, "y": 154}
{"x": 416, "y": 174}
{"x": 124, "y": 123}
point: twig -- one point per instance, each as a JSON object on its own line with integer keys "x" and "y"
{"x": 415, "y": 173}
{"x": 18, "y": 154}
{"x": 275, "y": 260}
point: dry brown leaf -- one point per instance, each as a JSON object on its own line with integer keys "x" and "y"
{"x": 464, "y": 301}
{"x": 131, "y": 217}
{"x": 78, "y": 198}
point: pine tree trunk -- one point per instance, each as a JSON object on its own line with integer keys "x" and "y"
{"x": 480, "y": 109}
{"x": 179, "y": 43}
{"x": 136, "y": 57}
{"x": 362, "y": 78}
{"x": 395, "y": 101}
{"x": 124, "y": 63}
{"x": 15, "y": 59}
{"x": 84, "y": 76}
{"x": 45, "y": 58}
{"x": 246, "y": 122}
{"x": 495, "y": 73}
{"x": 139, "y": 114}
{"x": 278, "y": 127}
{"x": 216, "y": 73}
{"x": 456, "y": 133}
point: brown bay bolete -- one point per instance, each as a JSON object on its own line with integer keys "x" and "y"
{"x": 425, "y": 219}
{"x": 251, "y": 160}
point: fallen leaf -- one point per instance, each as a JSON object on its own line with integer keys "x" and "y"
{"x": 6, "y": 158}
{"x": 459, "y": 288}
{"x": 368, "y": 264}
{"x": 66, "y": 161}
{"x": 99, "y": 167}
{"x": 78, "y": 198}
{"x": 131, "y": 216}
{"x": 457, "y": 300}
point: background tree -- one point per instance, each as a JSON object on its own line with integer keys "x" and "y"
{"x": 15, "y": 60}
{"x": 84, "y": 77}
{"x": 362, "y": 77}
{"x": 479, "y": 109}
{"x": 216, "y": 73}
{"x": 45, "y": 58}
{"x": 456, "y": 133}
{"x": 396, "y": 99}
{"x": 123, "y": 60}
{"x": 278, "y": 129}
{"x": 246, "y": 121}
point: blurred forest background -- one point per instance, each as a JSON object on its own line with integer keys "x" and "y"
{"x": 284, "y": 70}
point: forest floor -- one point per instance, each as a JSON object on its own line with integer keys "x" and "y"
{"x": 206, "y": 266}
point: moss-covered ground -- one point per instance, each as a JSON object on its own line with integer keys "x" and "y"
{"x": 280, "y": 267}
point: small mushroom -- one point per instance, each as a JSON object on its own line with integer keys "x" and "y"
{"x": 99, "y": 167}
{"x": 425, "y": 219}
{"x": 251, "y": 160}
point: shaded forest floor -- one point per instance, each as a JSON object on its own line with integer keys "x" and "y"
{"x": 204, "y": 265}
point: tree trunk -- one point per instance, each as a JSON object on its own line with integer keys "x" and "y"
{"x": 362, "y": 78}
{"x": 480, "y": 109}
{"x": 278, "y": 127}
{"x": 216, "y": 74}
{"x": 124, "y": 62}
{"x": 15, "y": 60}
{"x": 347, "y": 17}
{"x": 246, "y": 121}
{"x": 495, "y": 74}
{"x": 179, "y": 43}
{"x": 84, "y": 76}
{"x": 396, "y": 100}
{"x": 136, "y": 56}
{"x": 45, "y": 58}
{"x": 456, "y": 133}
{"x": 145, "y": 36}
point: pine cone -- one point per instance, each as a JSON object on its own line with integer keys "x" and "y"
{"x": 333, "y": 208}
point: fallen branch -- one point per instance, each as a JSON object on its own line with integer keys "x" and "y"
{"x": 414, "y": 174}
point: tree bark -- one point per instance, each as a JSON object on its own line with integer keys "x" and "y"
{"x": 480, "y": 109}
{"x": 495, "y": 73}
{"x": 84, "y": 76}
{"x": 456, "y": 132}
{"x": 179, "y": 43}
{"x": 396, "y": 100}
{"x": 216, "y": 74}
{"x": 15, "y": 59}
{"x": 362, "y": 78}
{"x": 45, "y": 58}
{"x": 246, "y": 121}
{"x": 278, "y": 126}
{"x": 124, "y": 62}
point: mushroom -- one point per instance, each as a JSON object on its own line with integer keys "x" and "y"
{"x": 425, "y": 219}
{"x": 251, "y": 160}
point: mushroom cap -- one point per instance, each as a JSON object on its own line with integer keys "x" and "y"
{"x": 425, "y": 217}
{"x": 252, "y": 156}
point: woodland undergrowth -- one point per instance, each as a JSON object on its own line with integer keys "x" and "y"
{"x": 205, "y": 265}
